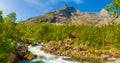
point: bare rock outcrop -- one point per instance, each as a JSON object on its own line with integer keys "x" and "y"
{"x": 70, "y": 15}
{"x": 104, "y": 13}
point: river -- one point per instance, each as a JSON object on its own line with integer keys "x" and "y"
{"x": 43, "y": 57}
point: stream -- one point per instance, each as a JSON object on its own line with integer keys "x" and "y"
{"x": 43, "y": 57}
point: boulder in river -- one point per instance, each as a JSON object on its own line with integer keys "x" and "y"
{"x": 29, "y": 56}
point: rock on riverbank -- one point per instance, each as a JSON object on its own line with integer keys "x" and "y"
{"x": 21, "y": 51}
{"x": 80, "y": 52}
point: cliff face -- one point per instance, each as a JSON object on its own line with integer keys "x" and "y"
{"x": 70, "y": 15}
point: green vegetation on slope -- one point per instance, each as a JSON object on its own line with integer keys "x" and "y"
{"x": 107, "y": 36}
{"x": 114, "y": 8}
{"x": 104, "y": 37}
{"x": 7, "y": 37}
{"x": 114, "y": 4}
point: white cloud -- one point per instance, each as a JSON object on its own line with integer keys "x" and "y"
{"x": 46, "y": 5}
{"x": 3, "y": 6}
{"x": 43, "y": 6}
{"x": 33, "y": 2}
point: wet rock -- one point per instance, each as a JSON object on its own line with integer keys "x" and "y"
{"x": 20, "y": 54}
{"x": 29, "y": 56}
{"x": 21, "y": 50}
{"x": 34, "y": 44}
{"x": 13, "y": 58}
{"x": 29, "y": 42}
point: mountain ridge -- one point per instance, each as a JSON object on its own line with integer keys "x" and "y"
{"x": 70, "y": 15}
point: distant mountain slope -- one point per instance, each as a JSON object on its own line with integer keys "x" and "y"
{"x": 70, "y": 15}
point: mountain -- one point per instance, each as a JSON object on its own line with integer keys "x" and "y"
{"x": 70, "y": 15}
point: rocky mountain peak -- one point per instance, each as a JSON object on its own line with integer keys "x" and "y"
{"x": 104, "y": 12}
{"x": 65, "y": 11}
{"x": 65, "y": 6}
{"x": 70, "y": 15}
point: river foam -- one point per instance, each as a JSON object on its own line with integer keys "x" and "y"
{"x": 46, "y": 57}
{"x": 43, "y": 57}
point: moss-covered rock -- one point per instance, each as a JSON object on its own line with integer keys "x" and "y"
{"x": 29, "y": 56}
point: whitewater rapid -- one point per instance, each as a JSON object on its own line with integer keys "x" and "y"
{"x": 43, "y": 57}
{"x": 46, "y": 57}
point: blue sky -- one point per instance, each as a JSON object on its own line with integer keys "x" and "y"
{"x": 30, "y": 8}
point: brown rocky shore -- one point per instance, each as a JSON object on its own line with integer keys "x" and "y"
{"x": 80, "y": 52}
{"x": 20, "y": 51}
